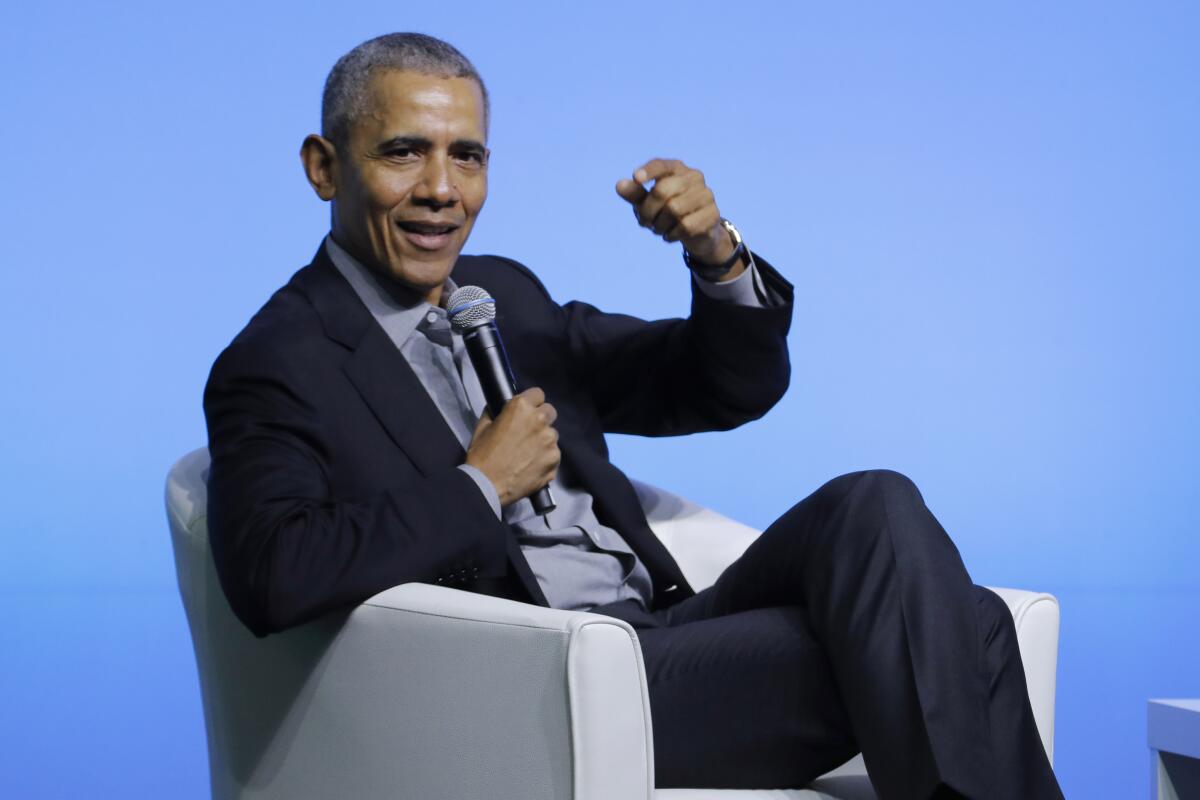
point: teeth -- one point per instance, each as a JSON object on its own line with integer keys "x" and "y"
{"x": 428, "y": 230}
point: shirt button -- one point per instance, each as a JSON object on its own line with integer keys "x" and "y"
{"x": 431, "y": 317}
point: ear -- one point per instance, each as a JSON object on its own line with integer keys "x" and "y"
{"x": 319, "y": 157}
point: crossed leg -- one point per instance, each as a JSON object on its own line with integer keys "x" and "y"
{"x": 850, "y": 624}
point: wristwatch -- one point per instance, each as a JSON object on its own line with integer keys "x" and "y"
{"x": 710, "y": 272}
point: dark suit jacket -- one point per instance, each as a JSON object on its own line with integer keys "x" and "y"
{"x": 334, "y": 474}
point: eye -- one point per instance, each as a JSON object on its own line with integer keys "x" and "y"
{"x": 399, "y": 152}
{"x": 472, "y": 157}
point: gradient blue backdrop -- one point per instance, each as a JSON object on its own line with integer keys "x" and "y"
{"x": 990, "y": 215}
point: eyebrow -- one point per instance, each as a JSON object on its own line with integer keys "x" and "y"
{"x": 421, "y": 143}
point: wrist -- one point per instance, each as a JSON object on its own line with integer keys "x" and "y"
{"x": 739, "y": 267}
{"x": 728, "y": 259}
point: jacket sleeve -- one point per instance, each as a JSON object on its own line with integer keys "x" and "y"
{"x": 286, "y": 548}
{"x": 724, "y": 365}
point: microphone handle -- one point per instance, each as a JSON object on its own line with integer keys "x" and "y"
{"x": 487, "y": 354}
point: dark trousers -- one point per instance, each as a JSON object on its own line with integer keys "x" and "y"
{"x": 849, "y": 625}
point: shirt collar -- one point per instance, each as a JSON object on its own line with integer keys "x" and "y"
{"x": 399, "y": 319}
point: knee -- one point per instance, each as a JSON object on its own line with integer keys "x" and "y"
{"x": 877, "y": 493}
{"x": 858, "y": 505}
{"x": 870, "y": 483}
{"x": 862, "y": 510}
{"x": 885, "y": 502}
{"x": 894, "y": 486}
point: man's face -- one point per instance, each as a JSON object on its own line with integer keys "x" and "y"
{"x": 412, "y": 177}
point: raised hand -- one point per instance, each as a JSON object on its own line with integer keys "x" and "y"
{"x": 680, "y": 207}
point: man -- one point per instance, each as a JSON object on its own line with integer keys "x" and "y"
{"x": 351, "y": 452}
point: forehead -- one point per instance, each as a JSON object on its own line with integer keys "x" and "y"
{"x": 401, "y": 102}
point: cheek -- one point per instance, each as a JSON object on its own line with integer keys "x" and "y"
{"x": 475, "y": 195}
{"x": 387, "y": 193}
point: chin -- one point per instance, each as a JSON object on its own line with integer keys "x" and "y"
{"x": 423, "y": 276}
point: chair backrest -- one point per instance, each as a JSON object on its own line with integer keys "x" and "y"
{"x": 702, "y": 541}
{"x": 252, "y": 689}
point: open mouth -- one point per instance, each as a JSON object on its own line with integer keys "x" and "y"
{"x": 428, "y": 235}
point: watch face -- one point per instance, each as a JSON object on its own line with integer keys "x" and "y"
{"x": 733, "y": 231}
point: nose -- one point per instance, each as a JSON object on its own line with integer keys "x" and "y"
{"x": 435, "y": 186}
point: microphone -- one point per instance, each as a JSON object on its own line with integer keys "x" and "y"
{"x": 472, "y": 314}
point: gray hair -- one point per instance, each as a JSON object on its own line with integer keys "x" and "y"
{"x": 347, "y": 87}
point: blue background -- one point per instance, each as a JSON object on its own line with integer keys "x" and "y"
{"x": 990, "y": 215}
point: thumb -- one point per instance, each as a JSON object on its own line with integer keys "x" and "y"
{"x": 632, "y": 191}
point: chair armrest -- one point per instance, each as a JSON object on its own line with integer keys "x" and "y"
{"x": 433, "y": 692}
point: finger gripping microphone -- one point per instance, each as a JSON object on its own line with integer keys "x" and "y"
{"x": 472, "y": 314}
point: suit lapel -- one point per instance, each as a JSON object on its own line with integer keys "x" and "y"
{"x": 379, "y": 372}
{"x": 395, "y": 395}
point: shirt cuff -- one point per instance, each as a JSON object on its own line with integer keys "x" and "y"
{"x": 744, "y": 290}
{"x": 485, "y": 486}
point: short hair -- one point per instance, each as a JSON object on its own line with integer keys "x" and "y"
{"x": 347, "y": 88}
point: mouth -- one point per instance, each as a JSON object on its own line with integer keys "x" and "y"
{"x": 428, "y": 235}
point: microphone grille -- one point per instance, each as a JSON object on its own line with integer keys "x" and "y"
{"x": 470, "y": 306}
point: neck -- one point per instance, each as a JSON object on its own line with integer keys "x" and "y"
{"x": 404, "y": 294}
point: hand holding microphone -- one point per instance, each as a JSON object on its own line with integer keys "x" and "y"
{"x": 515, "y": 444}
{"x": 518, "y": 450}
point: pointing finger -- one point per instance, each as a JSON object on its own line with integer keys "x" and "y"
{"x": 631, "y": 191}
{"x": 656, "y": 168}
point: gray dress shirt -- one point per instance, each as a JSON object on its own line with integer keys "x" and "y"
{"x": 578, "y": 562}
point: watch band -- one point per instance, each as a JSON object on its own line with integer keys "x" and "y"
{"x": 712, "y": 272}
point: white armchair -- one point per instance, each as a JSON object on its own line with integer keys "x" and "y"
{"x": 428, "y": 692}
